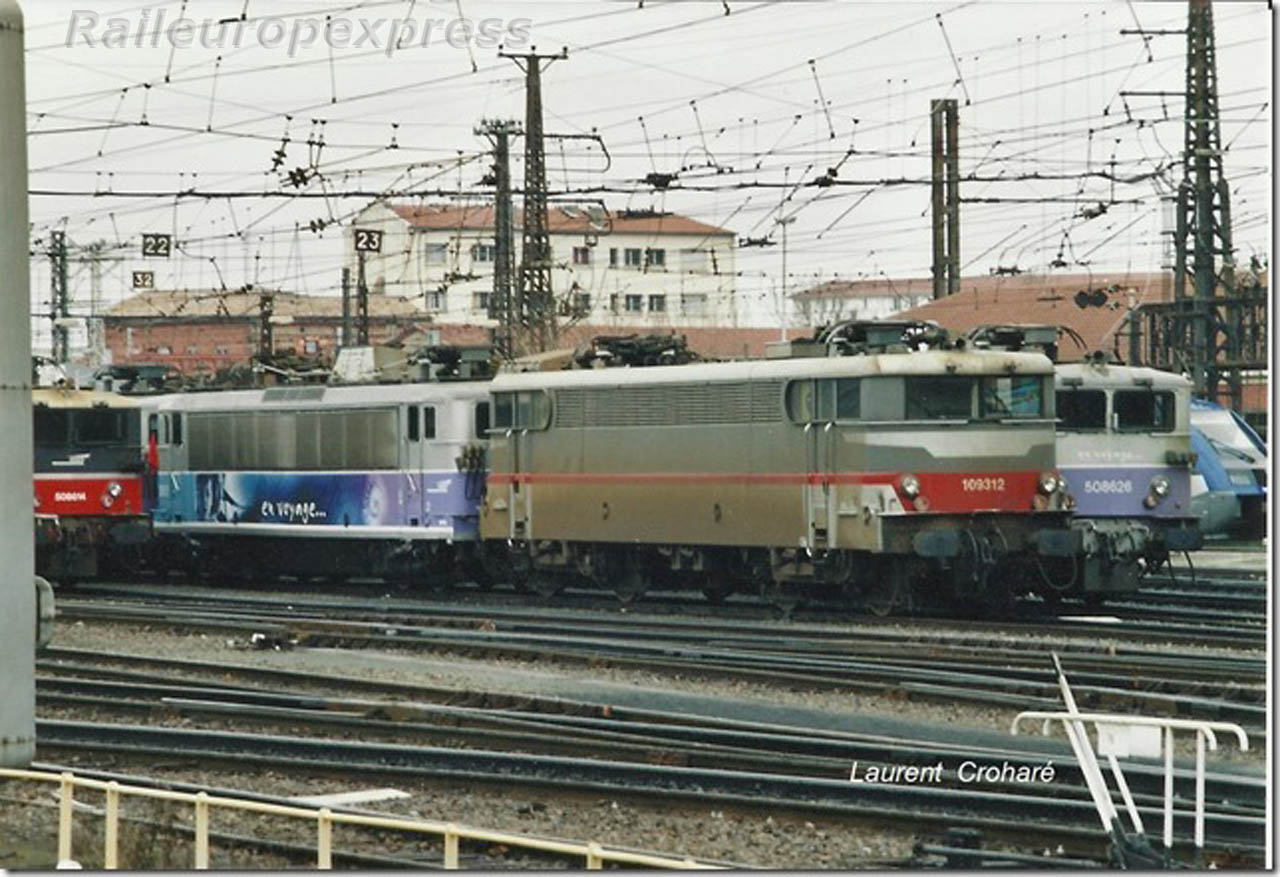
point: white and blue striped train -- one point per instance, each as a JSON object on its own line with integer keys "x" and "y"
{"x": 379, "y": 480}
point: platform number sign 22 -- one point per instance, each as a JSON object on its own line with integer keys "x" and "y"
{"x": 368, "y": 241}
{"x": 156, "y": 246}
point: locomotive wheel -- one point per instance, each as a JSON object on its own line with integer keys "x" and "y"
{"x": 888, "y": 592}
{"x": 780, "y": 595}
{"x": 717, "y": 588}
{"x": 630, "y": 583}
{"x": 545, "y": 585}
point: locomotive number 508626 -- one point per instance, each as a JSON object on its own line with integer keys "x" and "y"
{"x": 973, "y": 485}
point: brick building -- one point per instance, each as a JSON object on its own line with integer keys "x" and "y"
{"x": 203, "y": 332}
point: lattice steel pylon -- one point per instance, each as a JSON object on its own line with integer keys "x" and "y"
{"x": 1203, "y": 251}
{"x": 60, "y": 296}
{"x": 502, "y": 304}
{"x": 535, "y": 300}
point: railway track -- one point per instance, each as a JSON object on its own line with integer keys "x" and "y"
{"x": 580, "y": 747}
{"x": 992, "y": 667}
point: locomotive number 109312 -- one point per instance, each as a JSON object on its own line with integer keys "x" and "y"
{"x": 986, "y": 485}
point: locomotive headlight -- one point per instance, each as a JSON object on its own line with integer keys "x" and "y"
{"x": 107, "y": 500}
{"x": 1157, "y": 492}
{"x": 1062, "y": 484}
{"x": 910, "y": 485}
{"x": 1048, "y": 482}
{"x": 114, "y": 489}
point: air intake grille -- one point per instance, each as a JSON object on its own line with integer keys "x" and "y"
{"x": 670, "y": 404}
{"x": 293, "y": 394}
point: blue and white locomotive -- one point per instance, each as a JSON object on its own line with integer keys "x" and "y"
{"x": 320, "y": 480}
{"x": 1124, "y": 449}
{"x": 1229, "y": 486}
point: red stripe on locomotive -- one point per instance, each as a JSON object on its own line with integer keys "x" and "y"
{"x": 951, "y": 492}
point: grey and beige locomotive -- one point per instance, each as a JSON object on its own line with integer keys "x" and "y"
{"x": 379, "y": 480}
{"x": 890, "y": 476}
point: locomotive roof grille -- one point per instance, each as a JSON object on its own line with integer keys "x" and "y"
{"x": 293, "y": 394}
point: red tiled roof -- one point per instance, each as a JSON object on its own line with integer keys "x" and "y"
{"x": 712, "y": 342}
{"x": 1050, "y": 298}
{"x": 442, "y": 217}
{"x": 880, "y": 287}
{"x": 222, "y": 303}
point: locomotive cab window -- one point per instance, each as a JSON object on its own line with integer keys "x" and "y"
{"x": 1143, "y": 410}
{"x": 1013, "y": 396}
{"x": 1080, "y": 410}
{"x": 421, "y": 423}
{"x": 482, "y": 420}
{"x": 525, "y": 410}
{"x": 52, "y": 427}
{"x": 942, "y": 397}
{"x": 825, "y": 400}
{"x": 100, "y": 426}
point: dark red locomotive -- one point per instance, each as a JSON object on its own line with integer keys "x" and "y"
{"x": 93, "y": 483}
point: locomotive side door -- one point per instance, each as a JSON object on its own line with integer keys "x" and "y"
{"x": 416, "y": 459}
{"x": 820, "y": 434}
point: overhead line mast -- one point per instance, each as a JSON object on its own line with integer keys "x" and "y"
{"x": 535, "y": 299}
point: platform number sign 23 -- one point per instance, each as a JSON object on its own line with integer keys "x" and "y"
{"x": 156, "y": 246}
{"x": 368, "y": 241}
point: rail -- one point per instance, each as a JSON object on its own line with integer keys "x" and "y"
{"x": 595, "y": 855}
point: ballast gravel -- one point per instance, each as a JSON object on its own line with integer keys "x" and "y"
{"x": 746, "y": 837}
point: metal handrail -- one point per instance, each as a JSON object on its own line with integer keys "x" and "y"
{"x": 594, "y": 854}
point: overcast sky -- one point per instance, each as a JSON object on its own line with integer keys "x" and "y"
{"x": 728, "y": 103}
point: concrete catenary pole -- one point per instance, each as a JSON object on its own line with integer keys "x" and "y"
{"x": 17, "y": 542}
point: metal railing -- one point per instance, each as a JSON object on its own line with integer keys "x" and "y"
{"x": 594, "y": 855}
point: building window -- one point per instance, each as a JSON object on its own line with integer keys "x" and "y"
{"x": 581, "y": 303}
{"x": 613, "y": 303}
{"x": 693, "y": 261}
{"x": 613, "y": 257}
{"x": 435, "y": 301}
{"x": 635, "y": 303}
{"x": 310, "y": 345}
{"x": 193, "y": 348}
{"x": 482, "y": 301}
{"x": 655, "y": 258}
{"x": 582, "y": 255}
{"x": 484, "y": 253}
{"x": 435, "y": 254}
{"x": 694, "y": 303}
{"x": 657, "y": 303}
{"x": 164, "y": 350}
{"x": 633, "y": 257}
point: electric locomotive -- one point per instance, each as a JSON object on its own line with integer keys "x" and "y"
{"x": 321, "y": 480}
{"x": 1229, "y": 490}
{"x": 1124, "y": 447}
{"x": 873, "y": 463}
{"x": 92, "y": 483}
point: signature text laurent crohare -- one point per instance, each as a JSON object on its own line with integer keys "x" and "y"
{"x": 965, "y": 772}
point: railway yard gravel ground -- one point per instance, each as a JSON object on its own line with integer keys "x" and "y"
{"x": 745, "y": 836}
